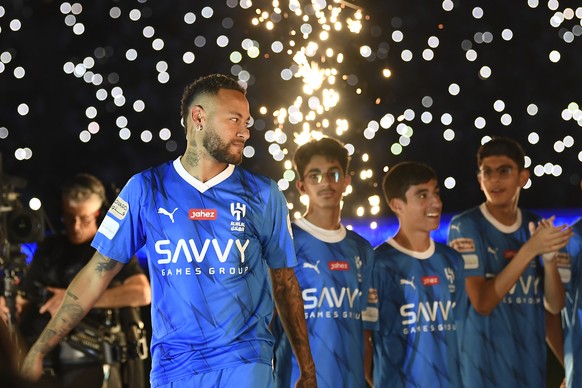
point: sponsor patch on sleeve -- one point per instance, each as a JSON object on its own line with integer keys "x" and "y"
{"x": 463, "y": 244}
{"x": 370, "y": 314}
{"x": 471, "y": 261}
{"x": 108, "y": 227}
{"x": 119, "y": 208}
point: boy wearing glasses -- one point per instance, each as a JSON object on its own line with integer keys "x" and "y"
{"x": 334, "y": 268}
{"x": 418, "y": 289}
{"x": 508, "y": 285}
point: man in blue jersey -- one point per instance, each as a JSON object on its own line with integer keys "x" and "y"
{"x": 333, "y": 270}
{"x": 213, "y": 232}
{"x": 508, "y": 285}
{"x": 418, "y": 289}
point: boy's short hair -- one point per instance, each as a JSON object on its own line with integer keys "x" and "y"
{"x": 502, "y": 146}
{"x": 328, "y": 147}
{"x": 210, "y": 85}
{"x": 400, "y": 177}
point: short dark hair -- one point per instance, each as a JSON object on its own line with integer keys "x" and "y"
{"x": 210, "y": 85}
{"x": 502, "y": 146}
{"x": 81, "y": 186}
{"x": 328, "y": 147}
{"x": 400, "y": 177}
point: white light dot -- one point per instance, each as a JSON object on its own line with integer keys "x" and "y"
{"x": 135, "y": 14}
{"x": 527, "y": 161}
{"x": 3, "y": 132}
{"x": 148, "y": 31}
{"x": 85, "y": 136}
{"x": 131, "y": 55}
{"x": 449, "y": 134}
{"x": 554, "y": 56}
{"x": 433, "y": 42}
{"x": 93, "y": 127}
{"x": 538, "y": 170}
{"x": 222, "y": 41}
{"x": 249, "y": 151}
{"x": 507, "y": 34}
{"x": 506, "y": 119}
{"x": 454, "y": 89}
{"x": 568, "y": 141}
{"x": 78, "y": 28}
{"x": 15, "y": 25}
{"x": 365, "y": 51}
{"x": 448, "y": 5}
{"x": 158, "y": 44}
{"x": 19, "y": 72}
{"x": 207, "y": 12}
{"x": 426, "y": 117}
{"x": 406, "y": 55}
{"x": 138, "y": 106}
{"x": 533, "y": 3}
{"x": 146, "y": 136}
{"x": 121, "y": 122}
{"x": 115, "y": 12}
{"x": 446, "y": 119}
{"x": 533, "y": 138}
{"x": 471, "y": 55}
{"x": 189, "y": 18}
{"x": 162, "y": 66}
{"x": 557, "y": 170}
{"x": 165, "y": 134}
{"x": 188, "y": 57}
{"x": 559, "y": 146}
{"x": 450, "y": 182}
{"x": 22, "y": 109}
{"x": 480, "y": 123}
{"x": 427, "y": 54}
{"x": 477, "y": 12}
{"x": 124, "y": 133}
{"x": 532, "y": 109}
{"x": 163, "y": 77}
{"x": 397, "y": 36}
{"x": 91, "y": 112}
{"x": 499, "y": 106}
{"x": 34, "y": 203}
{"x": 485, "y": 72}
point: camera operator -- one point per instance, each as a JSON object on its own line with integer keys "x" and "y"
{"x": 98, "y": 352}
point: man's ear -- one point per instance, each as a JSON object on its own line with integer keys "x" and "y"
{"x": 396, "y": 205}
{"x": 300, "y": 186}
{"x": 197, "y": 115}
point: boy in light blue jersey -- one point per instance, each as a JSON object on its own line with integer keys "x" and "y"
{"x": 418, "y": 289}
{"x": 212, "y": 232}
{"x": 502, "y": 342}
{"x": 334, "y": 269}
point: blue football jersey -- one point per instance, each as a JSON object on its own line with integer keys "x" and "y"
{"x": 334, "y": 270}
{"x": 506, "y": 348}
{"x": 208, "y": 247}
{"x": 570, "y": 268}
{"x": 419, "y": 298}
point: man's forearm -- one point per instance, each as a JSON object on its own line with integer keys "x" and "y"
{"x": 554, "y": 293}
{"x": 287, "y": 295}
{"x": 82, "y": 293}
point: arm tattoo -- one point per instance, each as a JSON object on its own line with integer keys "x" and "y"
{"x": 287, "y": 295}
{"x": 67, "y": 317}
{"x": 105, "y": 265}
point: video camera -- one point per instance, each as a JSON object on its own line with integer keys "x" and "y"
{"x": 18, "y": 225}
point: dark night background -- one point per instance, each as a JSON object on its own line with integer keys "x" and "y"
{"x": 522, "y": 74}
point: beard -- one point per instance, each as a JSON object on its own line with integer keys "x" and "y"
{"x": 219, "y": 149}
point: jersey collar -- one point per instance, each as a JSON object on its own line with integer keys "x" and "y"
{"x": 325, "y": 235}
{"x": 417, "y": 255}
{"x": 199, "y": 185}
{"x": 498, "y": 225}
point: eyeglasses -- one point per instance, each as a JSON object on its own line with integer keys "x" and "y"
{"x": 69, "y": 219}
{"x": 502, "y": 172}
{"x": 317, "y": 177}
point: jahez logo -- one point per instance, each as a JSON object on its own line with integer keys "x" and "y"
{"x": 202, "y": 214}
{"x": 430, "y": 280}
{"x": 338, "y": 265}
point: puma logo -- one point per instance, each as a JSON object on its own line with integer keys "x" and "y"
{"x": 456, "y": 227}
{"x": 491, "y": 250}
{"x": 167, "y": 213}
{"x": 407, "y": 282}
{"x": 312, "y": 266}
